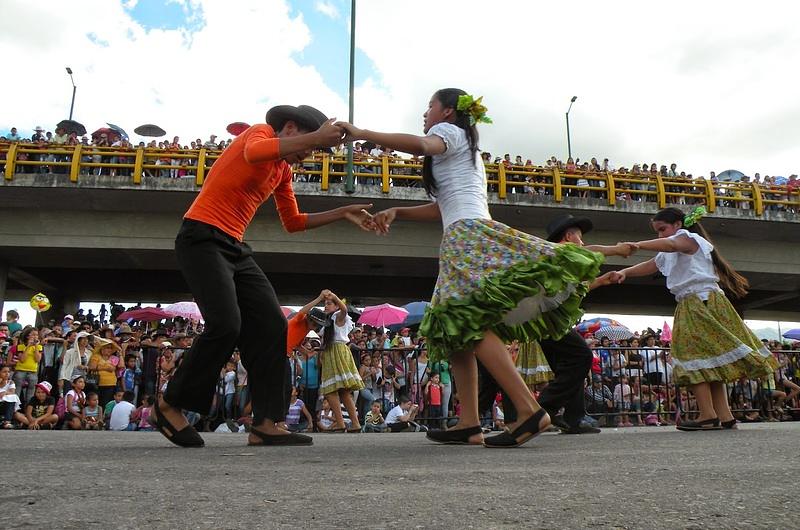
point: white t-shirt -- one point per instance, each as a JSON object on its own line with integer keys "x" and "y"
{"x": 689, "y": 273}
{"x": 653, "y": 362}
{"x": 342, "y": 333}
{"x": 460, "y": 177}
{"x": 76, "y": 407}
{"x": 121, "y": 416}
{"x": 230, "y": 386}
{"x": 394, "y": 415}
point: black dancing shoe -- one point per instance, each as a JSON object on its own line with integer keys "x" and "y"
{"x": 527, "y": 430}
{"x": 729, "y": 424}
{"x": 292, "y": 438}
{"x": 711, "y": 424}
{"x": 186, "y": 437}
{"x": 454, "y": 436}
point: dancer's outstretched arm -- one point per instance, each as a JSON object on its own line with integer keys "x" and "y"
{"x": 381, "y": 221}
{"x": 620, "y": 249}
{"x": 683, "y": 244}
{"x": 645, "y": 268}
{"x": 407, "y": 143}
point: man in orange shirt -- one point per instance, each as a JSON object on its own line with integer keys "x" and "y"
{"x": 236, "y": 298}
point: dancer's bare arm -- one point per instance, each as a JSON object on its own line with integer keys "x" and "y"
{"x": 381, "y": 221}
{"x": 407, "y": 143}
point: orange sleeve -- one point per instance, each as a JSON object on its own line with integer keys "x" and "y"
{"x": 262, "y": 146}
{"x": 286, "y": 203}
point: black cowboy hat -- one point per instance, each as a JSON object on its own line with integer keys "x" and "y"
{"x": 317, "y": 316}
{"x": 304, "y": 116}
{"x": 559, "y": 225}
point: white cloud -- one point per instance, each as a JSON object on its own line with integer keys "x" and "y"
{"x": 327, "y": 8}
{"x": 708, "y": 85}
{"x": 234, "y": 68}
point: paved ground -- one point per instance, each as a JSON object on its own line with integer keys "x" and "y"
{"x": 627, "y": 478}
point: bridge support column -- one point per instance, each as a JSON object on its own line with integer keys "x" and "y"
{"x": 3, "y": 284}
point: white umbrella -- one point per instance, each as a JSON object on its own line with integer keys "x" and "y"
{"x": 184, "y": 309}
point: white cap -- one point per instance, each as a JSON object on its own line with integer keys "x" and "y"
{"x": 69, "y": 317}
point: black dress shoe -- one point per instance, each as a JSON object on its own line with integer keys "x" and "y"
{"x": 291, "y": 438}
{"x": 454, "y": 436}
{"x": 581, "y": 428}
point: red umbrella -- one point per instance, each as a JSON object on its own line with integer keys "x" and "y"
{"x": 236, "y": 128}
{"x": 112, "y": 135}
{"x": 146, "y": 314}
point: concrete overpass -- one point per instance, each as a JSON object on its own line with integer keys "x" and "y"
{"x": 105, "y": 239}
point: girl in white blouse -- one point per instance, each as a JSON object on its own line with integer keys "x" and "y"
{"x": 711, "y": 345}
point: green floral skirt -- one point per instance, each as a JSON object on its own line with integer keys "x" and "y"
{"x": 495, "y": 278}
{"x": 532, "y": 364}
{"x": 339, "y": 370}
{"x": 711, "y": 343}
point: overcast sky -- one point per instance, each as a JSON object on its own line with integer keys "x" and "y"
{"x": 708, "y": 85}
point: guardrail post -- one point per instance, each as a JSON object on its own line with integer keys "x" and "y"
{"x": 137, "y": 165}
{"x": 612, "y": 189}
{"x": 501, "y": 180}
{"x": 326, "y": 166}
{"x": 711, "y": 196}
{"x": 662, "y": 197}
{"x": 385, "y": 174}
{"x": 557, "y": 185}
{"x": 75, "y": 167}
{"x": 758, "y": 199}
{"x": 201, "y": 167}
{"x": 11, "y": 161}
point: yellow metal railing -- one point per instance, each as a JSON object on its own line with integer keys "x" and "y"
{"x": 388, "y": 173}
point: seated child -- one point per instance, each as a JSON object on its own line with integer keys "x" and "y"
{"x": 39, "y": 410}
{"x": 374, "y": 421}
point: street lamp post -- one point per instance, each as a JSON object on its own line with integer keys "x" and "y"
{"x": 349, "y": 182}
{"x": 71, "y": 105}
{"x": 569, "y": 143}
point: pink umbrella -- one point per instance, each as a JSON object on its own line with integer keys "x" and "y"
{"x": 382, "y": 315}
{"x": 287, "y": 311}
{"x": 146, "y": 314}
{"x": 184, "y": 309}
{"x": 666, "y": 333}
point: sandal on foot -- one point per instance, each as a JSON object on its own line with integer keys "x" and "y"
{"x": 354, "y": 430}
{"x": 186, "y": 437}
{"x": 454, "y": 436}
{"x": 729, "y": 424}
{"x": 711, "y": 424}
{"x": 291, "y": 438}
{"x": 527, "y": 430}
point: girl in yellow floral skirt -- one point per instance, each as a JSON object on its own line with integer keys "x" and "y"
{"x": 711, "y": 345}
{"x": 340, "y": 376}
{"x": 495, "y": 284}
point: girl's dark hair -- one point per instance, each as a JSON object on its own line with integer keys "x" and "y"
{"x": 23, "y": 337}
{"x": 448, "y": 97}
{"x": 731, "y": 280}
{"x": 327, "y": 335}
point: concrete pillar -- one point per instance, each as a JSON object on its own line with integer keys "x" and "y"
{"x": 3, "y": 284}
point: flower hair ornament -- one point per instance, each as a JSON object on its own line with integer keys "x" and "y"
{"x": 474, "y": 108}
{"x": 695, "y": 216}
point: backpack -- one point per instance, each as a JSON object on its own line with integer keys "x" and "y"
{"x": 61, "y": 408}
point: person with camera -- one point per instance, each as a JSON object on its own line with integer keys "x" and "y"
{"x": 401, "y": 417}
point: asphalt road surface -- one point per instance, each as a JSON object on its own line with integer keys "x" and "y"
{"x": 652, "y": 477}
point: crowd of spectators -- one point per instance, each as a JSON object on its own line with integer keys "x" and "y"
{"x": 89, "y": 372}
{"x": 582, "y": 179}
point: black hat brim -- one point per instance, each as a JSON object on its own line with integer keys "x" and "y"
{"x": 556, "y": 233}
{"x": 305, "y": 116}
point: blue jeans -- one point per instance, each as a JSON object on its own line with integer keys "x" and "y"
{"x": 32, "y": 378}
{"x": 228, "y": 405}
{"x": 243, "y": 396}
{"x": 368, "y": 397}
